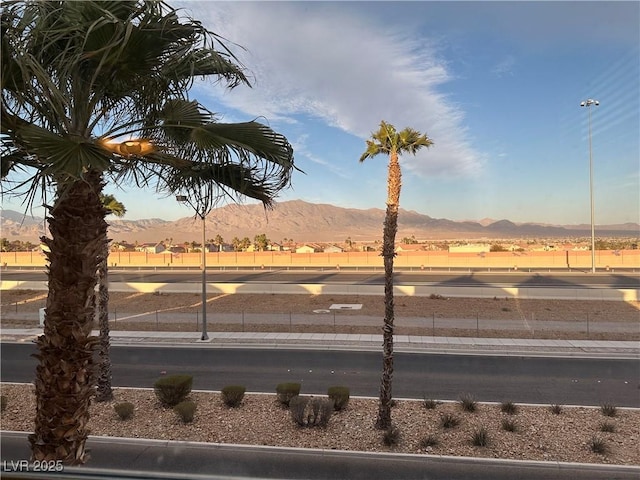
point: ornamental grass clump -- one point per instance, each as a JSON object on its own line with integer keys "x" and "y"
{"x": 173, "y": 389}
{"x": 429, "y": 441}
{"x": 430, "y": 404}
{"x": 286, "y": 391}
{"x": 468, "y": 403}
{"x": 448, "y": 420}
{"x": 232, "y": 395}
{"x": 608, "y": 410}
{"x": 598, "y": 445}
{"x": 556, "y": 409}
{"x": 608, "y": 427}
{"x": 124, "y": 410}
{"x": 391, "y": 436}
{"x": 509, "y": 408}
{"x": 509, "y": 425}
{"x": 311, "y": 411}
{"x": 185, "y": 410}
{"x": 340, "y": 397}
{"x": 480, "y": 437}
{"x": 3, "y": 402}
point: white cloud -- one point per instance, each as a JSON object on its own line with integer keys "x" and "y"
{"x": 323, "y": 61}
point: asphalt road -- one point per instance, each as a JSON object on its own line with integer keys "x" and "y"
{"x": 461, "y": 279}
{"x": 163, "y": 460}
{"x": 543, "y": 380}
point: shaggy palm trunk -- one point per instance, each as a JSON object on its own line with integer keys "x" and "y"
{"x": 104, "y": 393}
{"x": 388, "y": 253}
{"x": 64, "y": 382}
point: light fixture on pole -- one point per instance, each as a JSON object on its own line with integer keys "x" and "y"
{"x": 202, "y": 215}
{"x": 588, "y": 103}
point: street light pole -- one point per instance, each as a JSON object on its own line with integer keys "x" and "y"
{"x": 203, "y": 263}
{"x": 588, "y": 103}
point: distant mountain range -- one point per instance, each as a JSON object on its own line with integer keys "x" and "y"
{"x": 307, "y": 222}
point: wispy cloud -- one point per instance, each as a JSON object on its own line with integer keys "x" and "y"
{"x": 504, "y": 67}
{"x": 317, "y": 60}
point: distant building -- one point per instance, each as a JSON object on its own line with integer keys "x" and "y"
{"x": 309, "y": 248}
{"x": 333, "y": 249}
{"x": 470, "y": 248}
{"x": 151, "y": 247}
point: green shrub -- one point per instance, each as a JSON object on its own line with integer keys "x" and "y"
{"x": 598, "y": 445}
{"x": 173, "y": 389}
{"x": 391, "y": 437}
{"x": 480, "y": 437}
{"x": 608, "y": 427}
{"x": 339, "y": 396}
{"x": 311, "y": 411}
{"x": 429, "y": 441}
{"x": 185, "y": 410}
{"x": 509, "y": 408}
{"x": 468, "y": 403}
{"x": 286, "y": 391}
{"x": 509, "y": 425}
{"x": 124, "y": 410}
{"x": 608, "y": 410}
{"x": 448, "y": 420}
{"x": 232, "y": 395}
{"x": 430, "y": 404}
{"x": 3, "y": 402}
{"x": 556, "y": 409}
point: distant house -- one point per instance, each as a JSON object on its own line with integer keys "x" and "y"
{"x": 275, "y": 247}
{"x": 122, "y": 247}
{"x": 409, "y": 247}
{"x": 309, "y": 248}
{"x": 177, "y": 249}
{"x": 151, "y": 247}
{"x": 333, "y": 249}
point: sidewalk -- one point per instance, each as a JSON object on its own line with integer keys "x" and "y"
{"x": 340, "y": 341}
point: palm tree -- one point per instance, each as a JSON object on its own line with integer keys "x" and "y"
{"x": 390, "y": 142}
{"x": 104, "y": 393}
{"x": 97, "y": 91}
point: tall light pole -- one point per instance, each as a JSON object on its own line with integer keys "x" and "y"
{"x": 588, "y": 103}
{"x": 203, "y": 216}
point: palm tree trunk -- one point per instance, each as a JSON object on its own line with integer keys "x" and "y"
{"x": 65, "y": 375}
{"x": 383, "y": 421}
{"x": 104, "y": 392}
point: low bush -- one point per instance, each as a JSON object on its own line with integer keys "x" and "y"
{"x": 608, "y": 410}
{"x": 608, "y": 427}
{"x": 598, "y": 445}
{"x": 509, "y": 408}
{"x": 391, "y": 437}
{"x": 509, "y": 425}
{"x": 3, "y": 402}
{"x": 480, "y": 437}
{"x": 430, "y": 404}
{"x": 286, "y": 391}
{"x": 311, "y": 411}
{"x": 185, "y": 410}
{"x": 429, "y": 441}
{"x": 448, "y": 420}
{"x": 556, "y": 409}
{"x": 232, "y": 395}
{"x": 468, "y": 403}
{"x": 124, "y": 410}
{"x": 173, "y": 389}
{"x": 339, "y": 396}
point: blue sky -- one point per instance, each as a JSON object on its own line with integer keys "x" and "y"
{"x": 496, "y": 85}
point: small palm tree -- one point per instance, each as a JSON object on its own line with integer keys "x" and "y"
{"x": 104, "y": 393}
{"x": 390, "y": 142}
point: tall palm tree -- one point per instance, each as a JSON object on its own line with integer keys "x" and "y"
{"x": 104, "y": 391}
{"x": 97, "y": 91}
{"x": 390, "y": 142}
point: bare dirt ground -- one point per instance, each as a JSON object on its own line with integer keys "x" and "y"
{"x": 260, "y": 420}
{"x": 128, "y": 310}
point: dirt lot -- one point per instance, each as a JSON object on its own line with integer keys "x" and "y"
{"x": 137, "y": 311}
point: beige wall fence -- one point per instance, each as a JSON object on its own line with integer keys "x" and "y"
{"x": 514, "y": 261}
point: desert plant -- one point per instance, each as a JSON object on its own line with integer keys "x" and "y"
{"x": 232, "y": 395}
{"x": 480, "y": 437}
{"x": 339, "y": 396}
{"x": 429, "y": 441}
{"x": 448, "y": 420}
{"x": 185, "y": 410}
{"x": 3, "y": 402}
{"x": 608, "y": 427}
{"x": 608, "y": 410}
{"x": 509, "y": 408}
{"x": 173, "y": 389}
{"x": 468, "y": 403}
{"x": 391, "y": 436}
{"x": 509, "y": 425}
{"x": 430, "y": 404}
{"x": 124, "y": 410}
{"x": 598, "y": 445}
{"x": 311, "y": 411}
{"x": 556, "y": 409}
{"x": 286, "y": 391}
